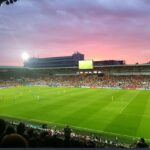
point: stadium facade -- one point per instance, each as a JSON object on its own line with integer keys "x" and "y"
{"x": 64, "y": 61}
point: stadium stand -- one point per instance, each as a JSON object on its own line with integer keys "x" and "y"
{"x": 113, "y": 76}
{"x": 21, "y": 135}
{"x": 87, "y": 81}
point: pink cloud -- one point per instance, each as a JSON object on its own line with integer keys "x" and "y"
{"x": 100, "y": 29}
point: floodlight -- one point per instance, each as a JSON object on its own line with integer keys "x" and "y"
{"x": 25, "y": 56}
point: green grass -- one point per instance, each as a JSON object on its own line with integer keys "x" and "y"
{"x": 122, "y": 113}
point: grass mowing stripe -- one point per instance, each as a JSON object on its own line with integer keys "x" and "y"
{"x": 50, "y": 110}
{"x": 128, "y": 124}
{"x": 75, "y": 100}
{"x": 143, "y": 129}
{"x": 106, "y": 114}
{"x": 99, "y": 106}
{"x": 86, "y": 107}
{"x": 32, "y": 101}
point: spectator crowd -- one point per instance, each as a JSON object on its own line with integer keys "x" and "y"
{"x": 128, "y": 82}
{"x": 15, "y": 134}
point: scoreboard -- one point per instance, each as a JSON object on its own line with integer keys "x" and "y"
{"x": 86, "y": 64}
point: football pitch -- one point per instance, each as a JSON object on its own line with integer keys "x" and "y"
{"x": 124, "y": 113}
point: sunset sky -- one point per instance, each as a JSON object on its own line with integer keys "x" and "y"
{"x": 101, "y": 29}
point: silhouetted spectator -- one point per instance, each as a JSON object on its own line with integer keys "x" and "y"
{"x": 67, "y": 133}
{"x": 2, "y": 127}
{"x": 10, "y": 129}
{"x": 32, "y": 138}
{"x": 14, "y": 141}
{"x": 142, "y": 144}
{"x": 42, "y": 138}
{"x": 21, "y": 128}
{"x": 44, "y": 126}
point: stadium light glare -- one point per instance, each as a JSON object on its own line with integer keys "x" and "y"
{"x": 25, "y": 56}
